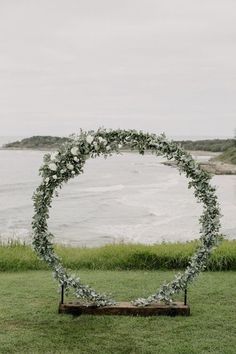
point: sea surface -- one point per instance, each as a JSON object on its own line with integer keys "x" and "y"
{"x": 125, "y": 198}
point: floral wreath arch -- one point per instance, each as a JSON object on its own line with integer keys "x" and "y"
{"x": 68, "y": 162}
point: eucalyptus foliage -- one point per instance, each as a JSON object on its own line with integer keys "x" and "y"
{"x": 69, "y": 161}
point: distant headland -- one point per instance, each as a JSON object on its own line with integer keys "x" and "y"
{"x": 38, "y": 142}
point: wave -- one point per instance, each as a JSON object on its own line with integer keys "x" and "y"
{"x": 160, "y": 185}
{"x": 102, "y": 189}
{"x": 154, "y": 214}
{"x": 10, "y": 187}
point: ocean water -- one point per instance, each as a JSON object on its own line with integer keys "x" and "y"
{"x": 125, "y": 198}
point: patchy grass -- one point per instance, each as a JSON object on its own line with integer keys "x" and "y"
{"x": 29, "y": 322}
{"x": 228, "y": 156}
{"x": 15, "y": 257}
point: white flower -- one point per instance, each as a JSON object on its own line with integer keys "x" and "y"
{"x": 89, "y": 139}
{"x": 47, "y": 179}
{"x": 108, "y": 148}
{"x": 73, "y": 172}
{"x": 54, "y": 155}
{"x": 102, "y": 140}
{"x": 70, "y": 166}
{"x": 120, "y": 146}
{"x": 54, "y": 176}
{"x": 76, "y": 159}
{"x": 52, "y": 166}
{"x": 74, "y": 150}
{"x": 62, "y": 171}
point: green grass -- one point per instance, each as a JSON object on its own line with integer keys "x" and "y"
{"x": 29, "y": 322}
{"x": 228, "y": 156}
{"x": 15, "y": 257}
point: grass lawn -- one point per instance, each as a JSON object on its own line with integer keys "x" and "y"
{"x": 29, "y": 322}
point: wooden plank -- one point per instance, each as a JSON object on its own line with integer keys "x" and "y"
{"x": 126, "y": 309}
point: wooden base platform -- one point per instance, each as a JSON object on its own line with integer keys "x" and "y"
{"x": 126, "y": 309}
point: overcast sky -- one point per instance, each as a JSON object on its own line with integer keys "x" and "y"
{"x": 155, "y": 65}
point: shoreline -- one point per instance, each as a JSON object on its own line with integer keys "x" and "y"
{"x": 211, "y": 165}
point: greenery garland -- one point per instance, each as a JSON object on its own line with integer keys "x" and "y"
{"x": 68, "y": 162}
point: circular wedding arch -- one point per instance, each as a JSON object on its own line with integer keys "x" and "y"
{"x": 68, "y": 162}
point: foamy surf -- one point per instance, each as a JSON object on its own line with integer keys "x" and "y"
{"x": 102, "y": 189}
